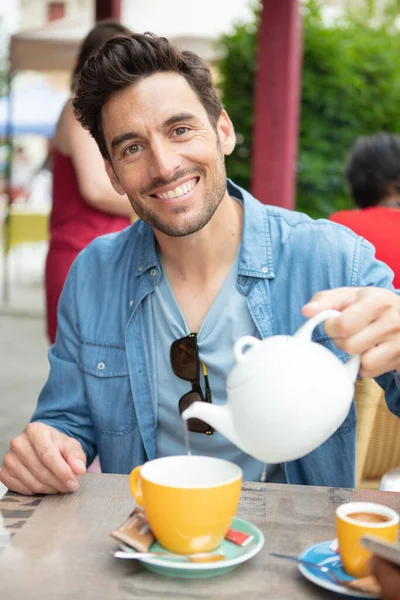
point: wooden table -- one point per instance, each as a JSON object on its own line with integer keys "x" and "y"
{"x": 60, "y": 547}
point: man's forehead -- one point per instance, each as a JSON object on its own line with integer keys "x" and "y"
{"x": 151, "y": 101}
{"x": 164, "y": 92}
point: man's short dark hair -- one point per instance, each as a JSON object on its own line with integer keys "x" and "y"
{"x": 123, "y": 61}
{"x": 101, "y": 32}
{"x": 373, "y": 168}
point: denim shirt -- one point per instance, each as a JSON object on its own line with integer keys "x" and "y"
{"x": 101, "y": 389}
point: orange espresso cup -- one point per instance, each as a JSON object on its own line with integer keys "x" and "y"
{"x": 352, "y": 523}
{"x": 189, "y": 501}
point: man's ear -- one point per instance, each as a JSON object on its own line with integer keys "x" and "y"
{"x": 226, "y": 133}
{"x": 113, "y": 178}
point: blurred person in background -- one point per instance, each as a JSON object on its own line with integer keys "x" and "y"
{"x": 373, "y": 176}
{"x": 21, "y": 175}
{"x": 84, "y": 203}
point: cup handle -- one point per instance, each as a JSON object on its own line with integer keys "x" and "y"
{"x": 136, "y": 486}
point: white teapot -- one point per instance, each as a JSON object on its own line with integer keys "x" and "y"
{"x": 286, "y": 395}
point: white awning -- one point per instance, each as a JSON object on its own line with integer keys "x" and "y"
{"x": 51, "y": 48}
{"x": 55, "y": 47}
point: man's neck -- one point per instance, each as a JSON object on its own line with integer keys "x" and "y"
{"x": 199, "y": 256}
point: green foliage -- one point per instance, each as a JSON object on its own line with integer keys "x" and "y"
{"x": 350, "y": 87}
{"x": 237, "y": 71}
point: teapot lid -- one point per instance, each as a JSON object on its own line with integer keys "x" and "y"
{"x": 252, "y": 354}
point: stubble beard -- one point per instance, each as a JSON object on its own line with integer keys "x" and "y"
{"x": 195, "y": 222}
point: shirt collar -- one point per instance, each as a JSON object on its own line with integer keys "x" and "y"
{"x": 147, "y": 257}
{"x": 255, "y": 253}
{"x": 256, "y": 249}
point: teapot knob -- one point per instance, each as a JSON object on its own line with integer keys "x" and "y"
{"x": 246, "y": 341}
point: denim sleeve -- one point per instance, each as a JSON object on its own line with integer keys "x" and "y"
{"x": 373, "y": 272}
{"x": 62, "y": 402}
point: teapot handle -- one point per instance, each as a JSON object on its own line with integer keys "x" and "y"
{"x": 305, "y": 333}
{"x": 243, "y": 342}
{"x": 306, "y": 330}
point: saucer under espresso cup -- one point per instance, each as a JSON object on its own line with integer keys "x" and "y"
{"x": 353, "y": 521}
{"x": 324, "y": 554}
{"x": 189, "y": 501}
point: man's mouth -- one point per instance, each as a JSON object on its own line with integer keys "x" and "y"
{"x": 177, "y": 192}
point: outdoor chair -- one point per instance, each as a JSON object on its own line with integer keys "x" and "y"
{"x": 378, "y": 439}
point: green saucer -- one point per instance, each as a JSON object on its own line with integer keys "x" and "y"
{"x": 235, "y": 555}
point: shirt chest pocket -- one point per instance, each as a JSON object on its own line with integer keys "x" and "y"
{"x": 107, "y": 387}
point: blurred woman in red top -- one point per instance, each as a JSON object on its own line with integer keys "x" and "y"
{"x": 373, "y": 175}
{"x": 84, "y": 203}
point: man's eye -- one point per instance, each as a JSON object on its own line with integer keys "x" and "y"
{"x": 133, "y": 149}
{"x": 179, "y": 131}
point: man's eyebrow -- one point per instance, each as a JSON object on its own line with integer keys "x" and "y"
{"x": 124, "y": 137}
{"x": 131, "y": 135}
{"x": 183, "y": 116}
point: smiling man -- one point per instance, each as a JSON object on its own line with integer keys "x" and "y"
{"x": 148, "y": 317}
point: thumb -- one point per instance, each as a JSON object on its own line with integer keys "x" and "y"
{"x": 337, "y": 299}
{"x": 74, "y": 455}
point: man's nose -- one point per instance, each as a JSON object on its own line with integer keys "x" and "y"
{"x": 164, "y": 162}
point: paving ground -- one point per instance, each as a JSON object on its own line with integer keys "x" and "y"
{"x": 23, "y": 370}
{"x": 23, "y": 346}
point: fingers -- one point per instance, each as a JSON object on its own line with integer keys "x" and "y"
{"x": 388, "y": 577}
{"x": 20, "y": 479}
{"x": 369, "y": 325}
{"x": 371, "y": 307}
{"x": 48, "y": 444}
{"x": 337, "y": 299}
{"x": 380, "y": 359}
{"x": 354, "y": 320}
{"x": 43, "y": 460}
{"x": 14, "y": 484}
{"x": 72, "y": 452}
{"x": 23, "y": 459}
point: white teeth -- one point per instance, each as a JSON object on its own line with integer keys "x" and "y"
{"x": 179, "y": 191}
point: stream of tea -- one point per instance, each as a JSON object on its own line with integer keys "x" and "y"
{"x": 187, "y": 441}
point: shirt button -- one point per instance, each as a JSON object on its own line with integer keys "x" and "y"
{"x": 264, "y": 270}
{"x": 140, "y": 268}
{"x": 131, "y": 303}
{"x": 101, "y": 366}
{"x": 153, "y": 272}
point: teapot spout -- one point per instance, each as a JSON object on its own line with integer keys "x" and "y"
{"x": 352, "y": 367}
{"x": 219, "y": 417}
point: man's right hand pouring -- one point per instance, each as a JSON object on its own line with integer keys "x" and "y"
{"x": 42, "y": 460}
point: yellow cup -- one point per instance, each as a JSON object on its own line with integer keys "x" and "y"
{"x": 350, "y": 530}
{"x": 189, "y": 501}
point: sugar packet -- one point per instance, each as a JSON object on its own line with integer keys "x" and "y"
{"x": 135, "y": 531}
{"x": 238, "y": 537}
